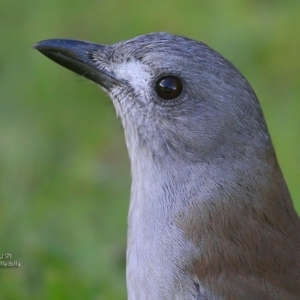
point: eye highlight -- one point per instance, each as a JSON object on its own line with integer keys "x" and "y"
{"x": 168, "y": 87}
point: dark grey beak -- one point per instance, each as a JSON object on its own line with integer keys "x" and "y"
{"x": 79, "y": 57}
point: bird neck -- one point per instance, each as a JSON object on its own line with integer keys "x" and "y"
{"x": 179, "y": 214}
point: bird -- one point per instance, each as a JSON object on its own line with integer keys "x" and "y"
{"x": 210, "y": 214}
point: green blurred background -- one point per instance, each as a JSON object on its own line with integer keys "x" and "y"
{"x": 64, "y": 171}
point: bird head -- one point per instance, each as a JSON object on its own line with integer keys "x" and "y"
{"x": 177, "y": 98}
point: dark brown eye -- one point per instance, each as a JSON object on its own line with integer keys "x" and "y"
{"x": 168, "y": 87}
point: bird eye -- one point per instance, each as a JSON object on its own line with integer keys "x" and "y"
{"x": 168, "y": 87}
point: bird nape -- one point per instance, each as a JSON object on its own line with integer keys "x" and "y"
{"x": 210, "y": 214}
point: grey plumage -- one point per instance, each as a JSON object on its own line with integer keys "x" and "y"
{"x": 210, "y": 214}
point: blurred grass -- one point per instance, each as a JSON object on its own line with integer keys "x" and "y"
{"x": 64, "y": 172}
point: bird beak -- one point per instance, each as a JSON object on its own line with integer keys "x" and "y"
{"x": 81, "y": 58}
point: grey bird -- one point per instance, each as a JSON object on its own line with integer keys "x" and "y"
{"x": 210, "y": 214}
